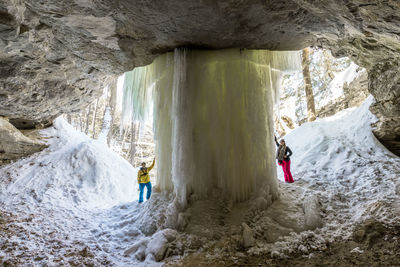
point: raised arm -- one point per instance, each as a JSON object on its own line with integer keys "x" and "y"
{"x": 152, "y": 165}
{"x": 276, "y": 141}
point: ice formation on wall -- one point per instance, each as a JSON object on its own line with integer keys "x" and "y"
{"x": 213, "y": 120}
{"x": 137, "y": 94}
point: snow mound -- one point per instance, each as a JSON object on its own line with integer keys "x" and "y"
{"x": 75, "y": 203}
{"x": 74, "y": 171}
{"x": 336, "y": 142}
{"x": 343, "y": 176}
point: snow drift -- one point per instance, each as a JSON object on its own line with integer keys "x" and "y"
{"x": 343, "y": 177}
{"x": 76, "y": 203}
{"x": 74, "y": 171}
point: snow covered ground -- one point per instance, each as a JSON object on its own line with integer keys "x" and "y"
{"x": 75, "y": 203}
{"x": 57, "y": 206}
{"x": 346, "y": 194}
{"x": 338, "y": 163}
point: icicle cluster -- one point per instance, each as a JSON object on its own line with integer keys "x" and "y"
{"x": 137, "y": 100}
{"x": 213, "y": 120}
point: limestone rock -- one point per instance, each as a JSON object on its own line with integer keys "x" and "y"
{"x": 248, "y": 236}
{"x": 14, "y": 145}
{"x": 384, "y": 85}
{"x": 357, "y": 90}
{"x": 56, "y": 56}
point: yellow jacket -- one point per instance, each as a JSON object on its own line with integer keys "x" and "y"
{"x": 143, "y": 174}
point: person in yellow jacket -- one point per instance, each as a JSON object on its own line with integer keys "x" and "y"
{"x": 143, "y": 178}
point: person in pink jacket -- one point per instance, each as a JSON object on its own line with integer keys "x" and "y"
{"x": 283, "y": 154}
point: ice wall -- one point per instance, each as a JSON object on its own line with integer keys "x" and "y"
{"x": 213, "y": 121}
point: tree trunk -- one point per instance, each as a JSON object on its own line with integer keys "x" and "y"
{"x": 132, "y": 150}
{"x": 124, "y": 136}
{"x": 308, "y": 85}
{"x": 94, "y": 119}
{"x": 89, "y": 109}
{"x": 105, "y": 128}
{"x": 108, "y": 120}
{"x": 137, "y": 131}
{"x": 69, "y": 118}
{"x": 112, "y": 103}
{"x": 327, "y": 63}
{"x": 80, "y": 122}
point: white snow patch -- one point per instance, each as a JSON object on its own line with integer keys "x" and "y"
{"x": 75, "y": 170}
{"x": 81, "y": 192}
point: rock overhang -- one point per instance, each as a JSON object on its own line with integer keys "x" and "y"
{"x": 58, "y": 55}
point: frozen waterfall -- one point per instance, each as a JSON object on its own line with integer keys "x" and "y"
{"x": 212, "y": 120}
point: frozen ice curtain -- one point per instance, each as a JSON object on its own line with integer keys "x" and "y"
{"x": 213, "y": 120}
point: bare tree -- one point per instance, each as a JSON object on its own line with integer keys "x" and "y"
{"x": 89, "y": 109}
{"x": 112, "y": 103}
{"x": 80, "y": 122}
{"x": 308, "y": 85}
{"x": 125, "y": 135}
{"x": 94, "y": 119}
{"x": 132, "y": 149}
{"x": 327, "y": 63}
{"x": 69, "y": 118}
{"x": 108, "y": 120}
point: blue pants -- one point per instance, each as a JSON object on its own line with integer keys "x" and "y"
{"x": 141, "y": 188}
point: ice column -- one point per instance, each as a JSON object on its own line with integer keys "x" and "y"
{"x": 213, "y": 121}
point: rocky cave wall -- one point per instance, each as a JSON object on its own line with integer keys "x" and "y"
{"x": 56, "y": 56}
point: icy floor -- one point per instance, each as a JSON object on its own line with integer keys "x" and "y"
{"x": 75, "y": 202}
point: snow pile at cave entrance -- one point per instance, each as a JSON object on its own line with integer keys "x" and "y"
{"x": 76, "y": 203}
{"x": 75, "y": 170}
{"x": 343, "y": 177}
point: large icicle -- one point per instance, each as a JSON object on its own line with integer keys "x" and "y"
{"x": 213, "y": 121}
